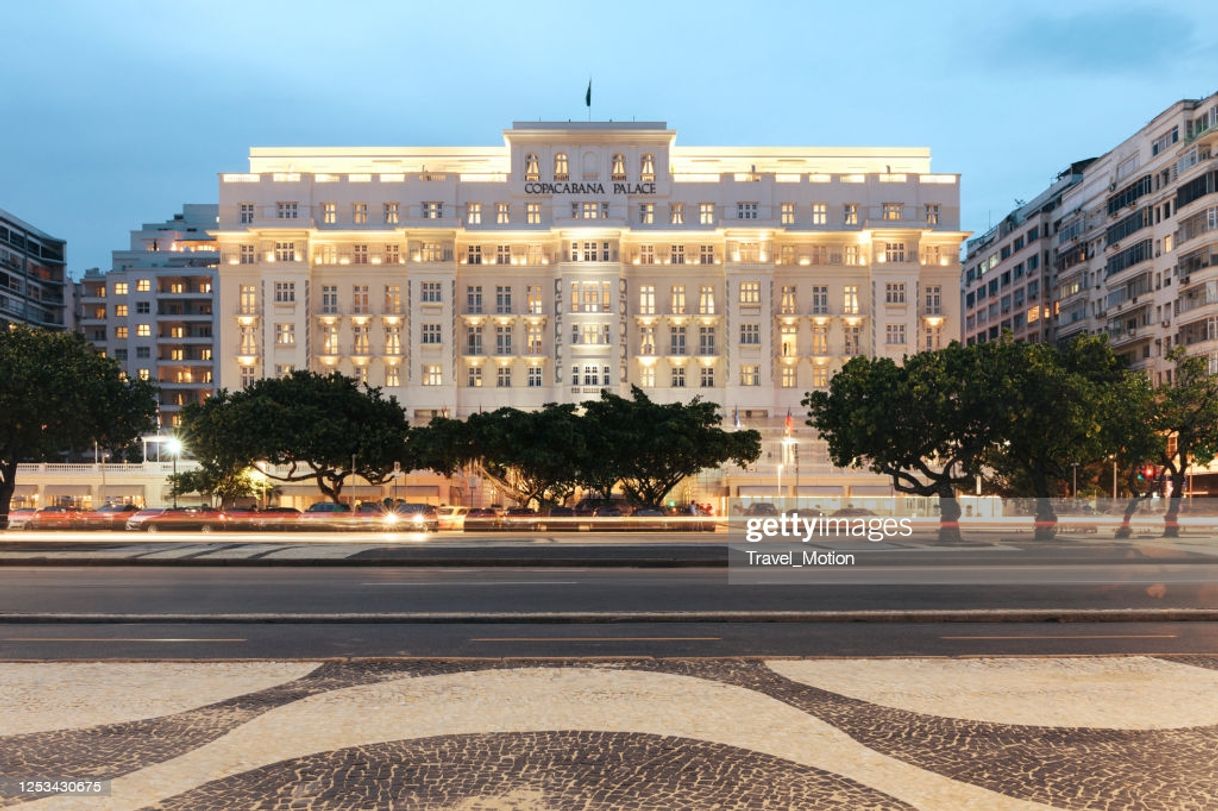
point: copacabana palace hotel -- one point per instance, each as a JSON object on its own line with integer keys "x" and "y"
{"x": 577, "y": 257}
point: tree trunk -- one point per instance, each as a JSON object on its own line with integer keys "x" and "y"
{"x": 949, "y": 515}
{"x": 1171, "y": 520}
{"x": 8, "y": 484}
{"x": 1125, "y": 530}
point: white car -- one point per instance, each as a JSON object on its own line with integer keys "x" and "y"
{"x": 20, "y": 517}
{"x": 452, "y": 516}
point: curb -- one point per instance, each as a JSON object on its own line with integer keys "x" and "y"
{"x": 605, "y": 617}
{"x": 719, "y": 561}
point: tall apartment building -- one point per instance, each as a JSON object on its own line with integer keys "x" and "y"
{"x": 1009, "y": 271}
{"x": 33, "y": 284}
{"x": 586, "y": 256}
{"x": 154, "y": 311}
{"x": 1137, "y": 246}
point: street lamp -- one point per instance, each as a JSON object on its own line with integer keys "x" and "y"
{"x": 174, "y": 446}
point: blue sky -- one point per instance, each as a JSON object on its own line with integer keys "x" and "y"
{"x": 117, "y": 112}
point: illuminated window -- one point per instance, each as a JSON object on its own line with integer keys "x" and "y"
{"x": 706, "y": 213}
{"x": 532, "y": 213}
{"x": 786, "y": 214}
{"x": 329, "y": 213}
{"x": 852, "y": 339}
{"x": 120, "y": 333}
{"x": 533, "y": 339}
{"x": 647, "y": 340}
{"x": 433, "y": 210}
{"x": 120, "y": 288}
{"x": 531, "y": 170}
{"x": 143, "y": 330}
{"x": 359, "y": 213}
{"x": 249, "y": 341}
{"x": 789, "y": 304}
{"x": 393, "y": 341}
{"x": 750, "y": 292}
{"x": 360, "y": 344}
{"x": 145, "y": 374}
{"x": 647, "y": 300}
{"x": 789, "y": 377}
{"x": 850, "y": 214}
{"x": 647, "y": 377}
{"x": 143, "y": 286}
{"x": 393, "y": 298}
{"x": 893, "y": 211}
{"x": 706, "y": 300}
{"x": 473, "y": 213}
{"x": 850, "y": 299}
{"x": 820, "y": 339}
{"x": 283, "y": 369}
{"x": 676, "y": 213}
{"x": 285, "y": 334}
{"x": 391, "y": 214}
{"x": 618, "y": 172}
{"x": 503, "y": 213}
{"x": 561, "y": 171}
{"x": 359, "y": 298}
{"x": 678, "y": 299}
{"x": 932, "y": 214}
{"x": 749, "y": 375}
{"x": 820, "y": 377}
{"x": 790, "y": 340}
{"x": 820, "y": 213}
{"x": 393, "y": 376}
{"x": 535, "y": 306}
{"x": 329, "y": 339}
{"x": 120, "y": 311}
{"x": 648, "y": 168}
{"x": 647, "y": 213}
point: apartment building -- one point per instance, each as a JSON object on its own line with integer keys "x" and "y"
{"x": 33, "y": 283}
{"x": 1009, "y": 271}
{"x": 579, "y": 257}
{"x": 1137, "y": 242}
{"x": 154, "y": 310}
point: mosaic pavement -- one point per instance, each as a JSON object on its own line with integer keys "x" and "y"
{"x": 1082, "y": 733}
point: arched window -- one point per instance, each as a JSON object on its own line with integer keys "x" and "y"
{"x": 531, "y": 170}
{"x": 561, "y": 172}
{"x": 649, "y": 168}
{"x": 619, "y": 167}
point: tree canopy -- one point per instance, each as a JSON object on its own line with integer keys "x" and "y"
{"x": 316, "y": 426}
{"x": 58, "y": 394}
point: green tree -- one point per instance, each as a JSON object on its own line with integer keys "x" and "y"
{"x": 57, "y": 394}
{"x": 316, "y": 426}
{"x": 1130, "y": 438}
{"x": 1052, "y": 404}
{"x": 529, "y": 455}
{"x": 925, "y": 424}
{"x": 1186, "y": 412}
{"x": 650, "y": 447}
{"x": 227, "y": 485}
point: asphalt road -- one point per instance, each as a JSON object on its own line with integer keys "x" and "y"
{"x": 203, "y": 591}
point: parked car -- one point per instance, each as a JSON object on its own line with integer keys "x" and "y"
{"x": 482, "y": 518}
{"x": 110, "y": 516}
{"x": 761, "y": 508}
{"x": 136, "y": 522}
{"x": 560, "y": 519}
{"x": 20, "y": 517}
{"x": 452, "y": 516}
{"x": 55, "y": 517}
{"x": 255, "y": 519}
{"x": 652, "y": 518}
{"x": 183, "y": 519}
{"x": 325, "y": 515}
{"x": 520, "y": 518}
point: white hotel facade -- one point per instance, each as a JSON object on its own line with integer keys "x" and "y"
{"x": 578, "y": 257}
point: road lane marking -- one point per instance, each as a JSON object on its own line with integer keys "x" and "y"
{"x": 1071, "y": 636}
{"x": 475, "y": 583}
{"x": 117, "y": 639}
{"x": 595, "y": 639}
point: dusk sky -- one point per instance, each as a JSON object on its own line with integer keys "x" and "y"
{"x": 116, "y": 113}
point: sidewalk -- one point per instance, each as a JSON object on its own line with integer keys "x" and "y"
{"x": 936, "y": 734}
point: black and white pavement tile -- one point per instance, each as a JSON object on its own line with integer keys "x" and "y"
{"x": 657, "y": 734}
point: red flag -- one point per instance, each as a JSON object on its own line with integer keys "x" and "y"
{"x": 789, "y": 423}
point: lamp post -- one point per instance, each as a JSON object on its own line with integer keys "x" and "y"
{"x": 174, "y": 446}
